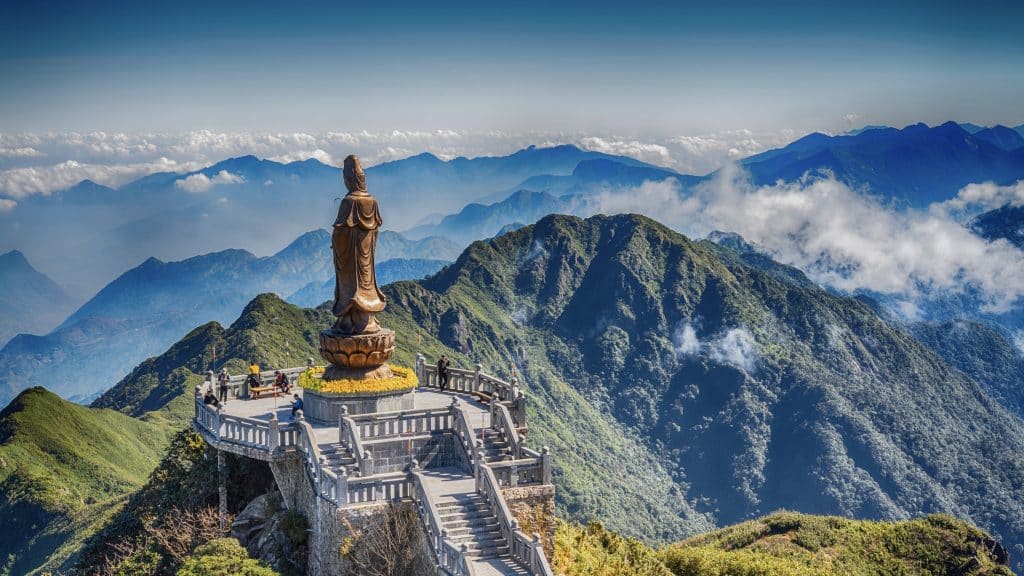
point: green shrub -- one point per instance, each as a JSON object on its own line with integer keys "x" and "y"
{"x": 223, "y": 557}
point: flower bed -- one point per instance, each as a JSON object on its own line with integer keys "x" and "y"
{"x": 403, "y": 379}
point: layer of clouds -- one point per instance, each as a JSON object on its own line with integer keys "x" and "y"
{"x": 975, "y": 198}
{"x": 840, "y": 237}
{"x": 43, "y": 163}
{"x": 7, "y": 205}
{"x": 22, "y": 182}
{"x": 201, "y": 182}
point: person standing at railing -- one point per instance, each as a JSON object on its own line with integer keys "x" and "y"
{"x": 223, "y": 380}
{"x": 442, "y": 372}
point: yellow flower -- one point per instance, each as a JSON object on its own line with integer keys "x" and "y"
{"x": 402, "y": 379}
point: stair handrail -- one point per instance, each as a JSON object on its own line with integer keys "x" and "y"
{"x": 350, "y": 437}
{"x": 524, "y": 549}
{"x": 450, "y": 558}
{"x": 467, "y": 438}
{"x": 504, "y": 423}
{"x": 308, "y": 446}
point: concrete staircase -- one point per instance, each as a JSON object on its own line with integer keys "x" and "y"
{"x": 336, "y": 456}
{"x": 495, "y": 446}
{"x": 467, "y": 520}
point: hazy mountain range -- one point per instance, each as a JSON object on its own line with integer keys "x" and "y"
{"x": 245, "y": 202}
{"x": 917, "y": 164}
{"x": 680, "y": 384}
{"x": 29, "y": 300}
{"x": 149, "y": 307}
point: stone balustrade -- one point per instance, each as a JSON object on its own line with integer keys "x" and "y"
{"x": 449, "y": 557}
{"x": 371, "y": 482}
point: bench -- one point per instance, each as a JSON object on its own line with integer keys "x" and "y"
{"x": 256, "y": 391}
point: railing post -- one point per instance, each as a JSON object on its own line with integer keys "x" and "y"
{"x": 378, "y": 490}
{"x": 342, "y": 414}
{"x": 494, "y": 407}
{"x": 368, "y": 460}
{"x": 274, "y": 441}
{"x": 515, "y": 388}
{"x": 420, "y": 362}
{"x": 545, "y": 465}
{"x": 476, "y": 377}
{"x": 216, "y": 423}
{"x": 342, "y": 487}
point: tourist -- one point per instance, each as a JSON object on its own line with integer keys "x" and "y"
{"x": 296, "y": 405}
{"x": 281, "y": 382}
{"x": 210, "y": 400}
{"x": 442, "y": 372}
{"x": 224, "y": 381}
{"x": 253, "y": 379}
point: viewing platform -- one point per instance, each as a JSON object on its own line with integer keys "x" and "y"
{"x": 457, "y": 455}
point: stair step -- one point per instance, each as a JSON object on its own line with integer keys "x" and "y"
{"x": 460, "y": 516}
{"x": 490, "y": 553}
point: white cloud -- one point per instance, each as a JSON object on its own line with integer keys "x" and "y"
{"x": 841, "y": 238}
{"x": 318, "y": 155}
{"x": 1018, "y": 341}
{"x": 22, "y": 152}
{"x": 22, "y": 182}
{"x": 6, "y": 205}
{"x": 196, "y": 183}
{"x": 985, "y": 196}
{"x": 685, "y": 340}
{"x": 737, "y": 348}
{"x": 644, "y": 151}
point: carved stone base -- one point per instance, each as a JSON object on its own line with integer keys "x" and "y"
{"x": 364, "y": 352}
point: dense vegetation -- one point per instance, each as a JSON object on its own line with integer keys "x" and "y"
{"x": 678, "y": 385}
{"x": 790, "y": 544}
{"x": 174, "y": 512}
{"x": 63, "y": 469}
{"x": 748, "y": 391}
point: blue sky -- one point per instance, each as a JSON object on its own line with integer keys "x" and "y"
{"x": 635, "y": 69}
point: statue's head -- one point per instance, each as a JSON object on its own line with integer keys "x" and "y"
{"x": 352, "y": 173}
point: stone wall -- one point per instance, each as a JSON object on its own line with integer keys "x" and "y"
{"x": 534, "y": 509}
{"x": 335, "y": 535}
{"x": 438, "y": 450}
{"x": 325, "y": 408}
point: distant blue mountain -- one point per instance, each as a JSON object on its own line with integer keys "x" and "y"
{"x": 88, "y": 234}
{"x": 316, "y": 293}
{"x": 1003, "y": 137}
{"x": 539, "y": 196}
{"x": 29, "y": 300}
{"x": 972, "y": 128}
{"x": 151, "y": 306}
{"x": 856, "y": 131}
{"x": 917, "y": 164}
{"x": 479, "y": 221}
{"x": 425, "y": 184}
{"x": 1006, "y": 222}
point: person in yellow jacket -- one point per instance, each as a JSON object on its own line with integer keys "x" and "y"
{"x": 254, "y": 368}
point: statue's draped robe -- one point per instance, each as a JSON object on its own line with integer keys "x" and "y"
{"x": 354, "y": 241}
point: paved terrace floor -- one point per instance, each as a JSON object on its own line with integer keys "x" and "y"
{"x": 477, "y": 413}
